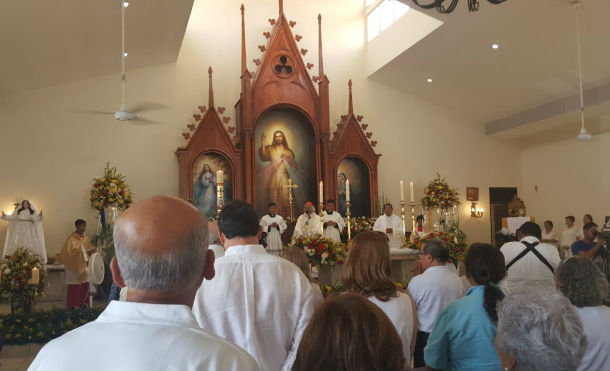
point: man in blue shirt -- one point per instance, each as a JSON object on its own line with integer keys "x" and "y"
{"x": 588, "y": 245}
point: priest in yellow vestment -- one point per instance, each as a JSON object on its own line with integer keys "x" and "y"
{"x": 74, "y": 256}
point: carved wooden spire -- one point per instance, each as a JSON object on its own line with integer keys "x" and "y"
{"x": 350, "y": 107}
{"x": 243, "y": 40}
{"x": 211, "y": 92}
{"x": 281, "y": 6}
{"x": 320, "y": 63}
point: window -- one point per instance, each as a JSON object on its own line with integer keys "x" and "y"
{"x": 383, "y": 15}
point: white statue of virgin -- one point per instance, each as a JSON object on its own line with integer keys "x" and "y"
{"x": 25, "y": 230}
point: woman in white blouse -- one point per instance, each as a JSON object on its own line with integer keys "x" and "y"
{"x": 367, "y": 271}
{"x": 584, "y": 284}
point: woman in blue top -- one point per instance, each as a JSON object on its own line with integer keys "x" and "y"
{"x": 464, "y": 332}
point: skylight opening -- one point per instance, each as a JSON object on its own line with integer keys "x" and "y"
{"x": 383, "y": 15}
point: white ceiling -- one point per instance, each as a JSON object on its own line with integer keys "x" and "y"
{"x": 47, "y": 42}
{"x": 535, "y": 64}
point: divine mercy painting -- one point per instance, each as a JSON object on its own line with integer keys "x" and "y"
{"x": 285, "y": 161}
{"x": 204, "y": 181}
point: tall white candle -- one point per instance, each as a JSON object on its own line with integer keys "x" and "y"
{"x": 347, "y": 190}
{"x": 402, "y": 190}
{"x": 321, "y": 192}
{"x": 411, "y": 192}
{"x": 35, "y": 280}
{"x": 219, "y": 177}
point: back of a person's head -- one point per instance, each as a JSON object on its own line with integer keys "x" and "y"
{"x": 530, "y": 229}
{"x": 541, "y": 330}
{"x": 437, "y": 249}
{"x": 589, "y": 225}
{"x": 238, "y": 219}
{"x": 582, "y": 282}
{"x": 297, "y": 256}
{"x": 348, "y": 332}
{"x": 571, "y": 218}
{"x": 485, "y": 265}
{"x": 367, "y": 269}
{"x": 157, "y": 250}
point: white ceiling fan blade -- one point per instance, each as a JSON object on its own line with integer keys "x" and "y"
{"x": 147, "y": 106}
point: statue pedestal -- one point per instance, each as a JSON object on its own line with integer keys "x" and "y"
{"x": 330, "y": 276}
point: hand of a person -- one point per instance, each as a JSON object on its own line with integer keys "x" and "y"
{"x": 417, "y": 268}
{"x": 263, "y": 138}
{"x": 389, "y": 230}
{"x": 600, "y": 241}
{"x": 274, "y": 224}
{"x": 330, "y": 223}
{"x": 40, "y": 213}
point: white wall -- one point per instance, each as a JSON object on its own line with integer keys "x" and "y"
{"x": 50, "y": 151}
{"x": 573, "y": 178}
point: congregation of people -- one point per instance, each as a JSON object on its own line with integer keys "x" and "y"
{"x": 209, "y": 296}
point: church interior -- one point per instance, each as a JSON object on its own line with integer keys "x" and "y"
{"x": 494, "y": 101}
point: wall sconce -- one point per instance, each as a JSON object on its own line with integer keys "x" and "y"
{"x": 476, "y": 211}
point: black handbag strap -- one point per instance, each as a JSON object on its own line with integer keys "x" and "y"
{"x": 530, "y": 247}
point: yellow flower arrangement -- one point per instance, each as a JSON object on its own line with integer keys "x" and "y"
{"x": 109, "y": 190}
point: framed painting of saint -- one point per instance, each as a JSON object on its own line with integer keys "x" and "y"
{"x": 204, "y": 181}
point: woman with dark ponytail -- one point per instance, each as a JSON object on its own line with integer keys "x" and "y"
{"x": 464, "y": 333}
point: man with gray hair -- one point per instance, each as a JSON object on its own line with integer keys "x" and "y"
{"x": 432, "y": 291}
{"x": 539, "y": 330}
{"x": 161, "y": 254}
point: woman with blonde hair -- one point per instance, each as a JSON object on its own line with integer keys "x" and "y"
{"x": 297, "y": 256}
{"x": 367, "y": 272}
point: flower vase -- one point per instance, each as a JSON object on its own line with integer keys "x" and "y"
{"x": 21, "y": 305}
{"x": 329, "y": 275}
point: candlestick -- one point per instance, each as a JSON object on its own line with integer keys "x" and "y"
{"x": 414, "y": 230}
{"x": 348, "y": 215}
{"x": 402, "y": 216}
{"x": 412, "y": 197}
{"x": 402, "y": 190}
{"x": 35, "y": 280}
{"x": 220, "y": 197}
{"x": 220, "y": 177}
{"x": 347, "y": 190}
{"x": 321, "y": 215}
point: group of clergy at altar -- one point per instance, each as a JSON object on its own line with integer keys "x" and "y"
{"x": 329, "y": 225}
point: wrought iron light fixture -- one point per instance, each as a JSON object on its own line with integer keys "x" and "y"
{"x": 473, "y": 5}
{"x": 476, "y": 211}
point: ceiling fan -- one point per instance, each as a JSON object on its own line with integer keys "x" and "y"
{"x": 123, "y": 114}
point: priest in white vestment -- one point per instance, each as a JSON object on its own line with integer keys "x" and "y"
{"x": 258, "y": 301}
{"x": 333, "y": 222}
{"x": 391, "y": 225}
{"x": 154, "y": 329}
{"x": 308, "y": 224}
{"x": 273, "y": 225}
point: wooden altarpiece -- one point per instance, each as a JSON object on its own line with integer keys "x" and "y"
{"x": 281, "y": 81}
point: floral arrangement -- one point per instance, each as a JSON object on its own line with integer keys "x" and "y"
{"x": 110, "y": 190}
{"x": 16, "y": 272}
{"x": 438, "y": 195}
{"x": 359, "y": 224}
{"x": 328, "y": 290}
{"x": 453, "y": 237}
{"x": 43, "y": 326}
{"x": 321, "y": 251}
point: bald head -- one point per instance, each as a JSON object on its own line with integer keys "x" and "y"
{"x": 160, "y": 244}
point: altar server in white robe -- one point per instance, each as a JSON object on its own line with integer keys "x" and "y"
{"x": 258, "y": 301}
{"x": 333, "y": 222}
{"x": 391, "y": 225}
{"x": 308, "y": 224}
{"x": 162, "y": 255}
{"x": 273, "y": 225}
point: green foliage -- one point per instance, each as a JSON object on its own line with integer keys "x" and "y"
{"x": 43, "y": 326}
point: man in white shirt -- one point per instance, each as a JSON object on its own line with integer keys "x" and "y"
{"x": 391, "y": 225}
{"x": 162, "y": 255}
{"x": 257, "y": 300}
{"x": 568, "y": 237}
{"x": 308, "y": 224}
{"x": 333, "y": 222}
{"x": 273, "y": 226}
{"x": 432, "y": 291}
{"x": 529, "y": 261}
{"x": 586, "y": 219}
